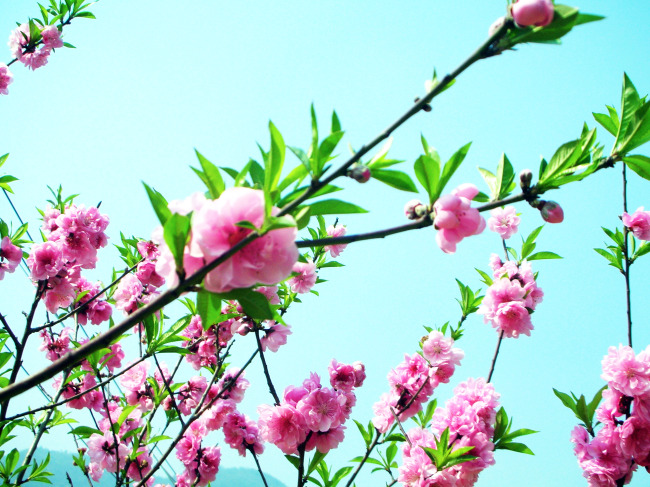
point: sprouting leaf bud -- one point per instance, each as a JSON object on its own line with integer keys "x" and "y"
{"x": 525, "y": 178}
{"x": 414, "y": 209}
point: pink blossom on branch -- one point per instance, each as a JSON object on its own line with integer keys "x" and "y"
{"x": 335, "y": 231}
{"x": 638, "y": 223}
{"x": 537, "y": 13}
{"x": 305, "y": 278}
{"x": 455, "y": 219}
{"x": 51, "y": 37}
{"x": 30, "y": 56}
{"x": 504, "y": 221}
{"x": 10, "y": 256}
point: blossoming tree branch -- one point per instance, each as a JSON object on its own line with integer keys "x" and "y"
{"x": 238, "y": 258}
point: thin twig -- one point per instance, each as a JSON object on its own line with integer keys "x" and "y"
{"x": 627, "y": 264}
{"x": 264, "y": 366}
{"x": 257, "y": 462}
{"x": 6, "y": 326}
{"x": 369, "y": 450}
{"x": 494, "y": 359}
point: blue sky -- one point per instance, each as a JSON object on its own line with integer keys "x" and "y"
{"x": 150, "y": 81}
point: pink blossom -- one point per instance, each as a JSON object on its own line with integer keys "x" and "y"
{"x": 10, "y": 256}
{"x": 321, "y": 409}
{"x": 532, "y": 12}
{"x": 625, "y": 372}
{"x": 342, "y": 377}
{"x": 438, "y": 349}
{"x": 190, "y": 394}
{"x": 638, "y": 223}
{"x": 242, "y": 434}
{"x": 267, "y": 260}
{"x": 504, "y": 221}
{"x": 19, "y": 43}
{"x": 51, "y": 37}
{"x": 6, "y": 78}
{"x": 103, "y": 451}
{"x": 306, "y": 278}
{"x": 128, "y": 293}
{"x": 146, "y": 274}
{"x": 233, "y": 388}
{"x": 148, "y": 249}
{"x": 326, "y": 441}
{"x": 45, "y": 260}
{"x": 216, "y": 415}
{"x": 141, "y": 466}
{"x": 283, "y": 426}
{"x": 209, "y": 464}
{"x": 275, "y": 336}
{"x": 270, "y": 292}
{"x": 134, "y": 378}
{"x": 455, "y": 219}
{"x": 56, "y": 346}
{"x": 336, "y": 249}
{"x": 359, "y": 373}
{"x": 187, "y": 448}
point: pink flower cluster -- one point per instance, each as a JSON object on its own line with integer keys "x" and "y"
{"x": 511, "y": 298}
{"x": 638, "y": 223}
{"x": 504, "y": 221}
{"x": 313, "y": 415}
{"x": 140, "y": 288}
{"x": 23, "y": 49}
{"x": 623, "y": 442}
{"x": 10, "y": 256}
{"x": 455, "y": 218}
{"x": 412, "y": 382}
{"x": 267, "y": 260}
{"x": 470, "y": 415}
{"x": 204, "y": 345}
{"x": 73, "y": 238}
{"x": 201, "y": 463}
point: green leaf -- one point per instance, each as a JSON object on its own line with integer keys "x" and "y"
{"x": 315, "y": 460}
{"x": 84, "y": 431}
{"x": 295, "y": 461}
{"x": 254, "y": 304}
{"x": 606, "y": 122}
{"x": 213, "y": 179}
{"x": 159, "y": 204}
{"x": 566, "y": 400}
{"x": 334, "y": 207}
{"x": 85, "y": 14}
{"x": 639, "y": 164}
{"x": 427, "y": 171}
{"x": 209, "y": 307}
{"x": 613, "y": 260}
{"x": 451, "y": 166}
{"x": 275, "y": 160}
{"x": 543, "y": 256}
{"x": 512, "y": 446}
{"x": 176, "y": 232}
{"x": 328, "y": 145}
{"x": 395, "y": 179}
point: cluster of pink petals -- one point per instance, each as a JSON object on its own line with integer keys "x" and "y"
{"x": 470, "y": 415}
{"x": 91, "y": 399}
{"x": 455, "y": 218}
{"x": 267, "y": 260}
{"x": 511, "y": 298}
{"x": 10, "y": 255}
{"x": 98, "y": 310}
{"x": 638, "y": 223}
{"x": 504, "y": 221}
{"x": 31, "y": 56}
{"x": 312, "y": 415}
{"x": 140, "y": 288}
{"x": 305, "y": 277}
{"x": 73, "y": 238}
{"x": 6, "y": 78}
{"x": 335, "y": 231}
{"x": 412, "y": 382}
{"x": 242, "y": 434}
{"x": 623, "y": 442}
{"x": 55, "y": 346}
{"x": 201, "y": 463}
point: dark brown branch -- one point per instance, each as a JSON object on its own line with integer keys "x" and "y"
{"x": 265, "y": 367}
{"x": 494, "y": 359}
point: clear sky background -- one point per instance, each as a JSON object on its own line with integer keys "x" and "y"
{"x": 150, "y": 81}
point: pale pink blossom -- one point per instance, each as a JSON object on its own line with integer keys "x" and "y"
{"x": 504, "y": 221}
{"x": 270, "y": 292}
{"x": 326, "y": 441}
{"x": 267, "y": 260}
{"x": 10, "y": 257}
{"x": 6, "y": 78}
{"x": 30, "y": 56}
{"x": 51, "y": 37}
{"x": 455, "y": 219}
{"x": 45, "y": 260}
{"x": 335, "y": 231}
{"x": 275, "y": 336}
{"x": 305, "y": 278}
{"x": 103, "y": 451}
{"x": 625, "y": 372}
{"x": 638, "y": 223}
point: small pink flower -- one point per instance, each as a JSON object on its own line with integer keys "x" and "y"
{"x": 10, "y": 256}
{"x": 336, "y": 249}
{"x": 455, "y": 218}
{"x": 638, "y": 223}
{"x": 532, "y": 12}
{"x": 342, "y": 376}
{"x": 306, "y": 278}
{"x": 6, "y": 78}
{"x": 275, "y": 337}
{"x": 504, "y": 221}
{"x": 45, "y": 260}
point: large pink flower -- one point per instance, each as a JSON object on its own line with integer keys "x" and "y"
{"x": 267, "y": 260}
{"x": 283, "y": 426}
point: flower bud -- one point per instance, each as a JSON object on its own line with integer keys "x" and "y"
{"x": 414, "y": 209}
{"x": 532, "y": 12}
{"x": 551, "y": 212}
{"x": 359, "y": 172}
{"x": 525, "y": 178}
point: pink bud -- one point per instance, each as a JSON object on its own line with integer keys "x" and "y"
{"x": 359, "y": 173}
{"x": 532, "y": 12}
{"x": 552, "y": 212}
{"x": 414, "y": 209}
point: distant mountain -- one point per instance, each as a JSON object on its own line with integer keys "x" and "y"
{"x": 61, "y": 463}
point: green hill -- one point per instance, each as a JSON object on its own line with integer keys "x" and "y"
{"x": 61, "y": 463}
